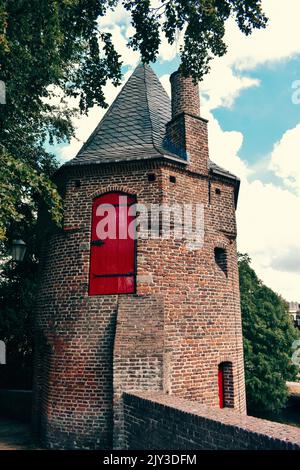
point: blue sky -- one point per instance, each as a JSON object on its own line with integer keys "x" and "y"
{"x": 254, "y": 131}
{"x": 264, "y": 113}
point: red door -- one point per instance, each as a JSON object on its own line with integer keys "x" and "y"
{"x": 112, "y": 259}
{"x": 221, "y": 386}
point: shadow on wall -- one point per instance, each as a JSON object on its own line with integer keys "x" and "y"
{"x": 16, "y": 404}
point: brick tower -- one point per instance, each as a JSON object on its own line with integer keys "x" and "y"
{"x": 145, "y": 314}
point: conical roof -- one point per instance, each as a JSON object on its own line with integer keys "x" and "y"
{"x": 134, "y": 126}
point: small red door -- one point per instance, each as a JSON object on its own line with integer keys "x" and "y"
{"x": 112, "y": 259}
{"x": 221, "y": 386}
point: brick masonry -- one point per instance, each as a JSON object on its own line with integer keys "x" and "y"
{"x": 185, "y": 95}
{"x": 161, "y": 422}
{"x": 138, "y": 351}
{"x": 171, "y": 335}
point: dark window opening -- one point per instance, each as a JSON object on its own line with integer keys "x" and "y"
{"x": 77, "y": 184}
{"x": 218, "y": 191}
{"x": 151, "y": 177}
{"x": 225, "y": 385}
{"x": 173, "y": 179}
{"x": 221, "y": 259}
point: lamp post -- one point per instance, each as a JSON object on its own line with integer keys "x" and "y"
{"x": 18, "y": 250}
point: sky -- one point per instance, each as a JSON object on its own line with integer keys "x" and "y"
{"x": 252, "y": 100}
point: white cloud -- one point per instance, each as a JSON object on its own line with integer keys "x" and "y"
{"x": 165, "y": 81}
{"x": 269, "y": 231}
{"x": 117, "y": 16}
{"x": 118, "y": 22}
{"x": 285, "y": 158}
{"x": 120, "y": 35}
{"x": 267, "y": 217}
{"x": 167, "y": 51}
{"x": 224, "y": 147}
{"x": 280, "y": 40}
{"x": 222, "y": 85}
{"x": 84, "y": 126}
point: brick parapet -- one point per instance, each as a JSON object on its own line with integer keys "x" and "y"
{"x": 159, "y": 421}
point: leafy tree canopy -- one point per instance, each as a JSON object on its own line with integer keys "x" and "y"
{"x": 18, "y": 286}
{"x": 50, "y": 45}
{"x": 268, "y": 337}
{"x": 17, "y": 300}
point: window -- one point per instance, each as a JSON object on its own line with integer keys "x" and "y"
{"x": 225, "y": 385}
{"x": 151, "y": 177}
{"x": 172, "y": 179}
{"x": 221, "y": 259}
{"x": 112, "y": 255}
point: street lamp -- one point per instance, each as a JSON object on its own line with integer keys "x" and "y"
{"x": 18, "y": 250}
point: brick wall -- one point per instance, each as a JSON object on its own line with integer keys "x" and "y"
{"x": 161, "y": 422}
{"x": 75, "y": 332}
{"x": 81, "y": 358}
{"x": 138, "y": 351}
{"x": 172, "y": 334}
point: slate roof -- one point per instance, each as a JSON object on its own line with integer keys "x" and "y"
{"x": 134, "y": 126}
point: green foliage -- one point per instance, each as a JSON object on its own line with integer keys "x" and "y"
{"x": 21, "y": 189}
{"x": 18, "y": 283}
{"x": 48, "y": 49}
{"x": 203, "y": 23}
{"x": 268, "y": 337}
{"x": 51, "y": 50}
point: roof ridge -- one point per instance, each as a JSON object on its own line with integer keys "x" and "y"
{"x": 149, "y": 112}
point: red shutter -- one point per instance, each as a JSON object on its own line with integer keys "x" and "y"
{"x": 112, "y": 261}
{"x": 221, "y": 386}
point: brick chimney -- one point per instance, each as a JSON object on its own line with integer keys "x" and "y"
{"x": 185, "y": 95}
{"x": 186, "y": 133}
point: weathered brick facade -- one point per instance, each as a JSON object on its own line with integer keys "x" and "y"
{"x": 182, "y": 322}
